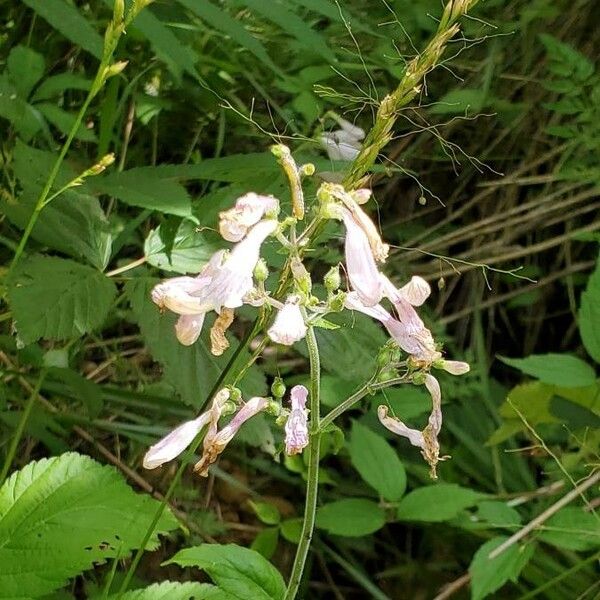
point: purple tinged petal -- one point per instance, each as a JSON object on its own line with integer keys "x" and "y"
{"x": 296, "y": 426}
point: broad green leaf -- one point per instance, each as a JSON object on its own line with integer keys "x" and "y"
{"x": 189, "y": 251}
{"x": 64, "y": 17}
{"x": 487, "y": 575}
{"x": 144, "y": 187}
{"x": 532, "y": 400}
{"x": 172, "y": 590}
{"x": 377, "y": 462}
{"x": 498, "y": 514}
{"x": 265, "y": 543}
{"x": 238, "y": 571}
{"x": 57, "y": 84}
{"x": 218, "y": 18}
{"x": 26, "y": 68}
{"x": 291, "y": 530}
{"x": 404, "y": 401}
{"x": 589, "y": 315}
{"x": 557, "y": 369}
{"x": 351, "y": 517}
{"x": 293, "y": 25}
{"x": 60, "y": 516}
{"x": 572, "y": 528}
{"x": 56, "y": 298}
{"x": 191, "y": 370}
{"x": 434, "y": 503}
{"x": 23, "y": 117}
{"x": 335, "y": 389}
{"x": 64, "y": 121}
{"x": 266, "y": 512}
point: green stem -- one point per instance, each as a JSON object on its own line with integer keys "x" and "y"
{"x": 10, "y": 455}
{"x": 312, "y": 485}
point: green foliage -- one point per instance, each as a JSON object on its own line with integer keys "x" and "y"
{"x": 351, "y": 517}
{"x": 170, "y": 590}
{"x": 55, "y": 298}
{"x": 237, "y": 571}
{"x": 436, "y": 503}
{"x": 377, "y": 462}
{"x": 39, "y": 504}
{"x": 589, "y": 315}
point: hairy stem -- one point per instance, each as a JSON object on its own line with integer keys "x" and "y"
{"x": 312, "y": 484}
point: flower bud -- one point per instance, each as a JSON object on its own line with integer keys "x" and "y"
{"x": 307, "y": 170}
{"x": 361, "y": 196}
{"x": 278, "y": 388}
{"x": 261, "y": 271}
{"x": 332, "y": 279}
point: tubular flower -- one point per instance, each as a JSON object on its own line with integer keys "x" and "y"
{"x": 288, "y": 327}
{"x": 296, "y": 428}
{"x": 216, "y": 441}
{"x": 181, "y": 437}
{"x": 248, "y": 210}
{"x": 426, "y": 440}
{"x": 223, "y": 282}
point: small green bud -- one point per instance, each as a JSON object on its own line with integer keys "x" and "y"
{"x": 387, "y": 375}
{"x": 301, "y": 276}
{"x": 332, "y": 279}
{"x": 235, "y": 395}
{"x": 306, "y": 170}
{"x": 261, "y": 271}
{"x": 118, "y": 11}
{"x": 418, "y": 378}
{"x": 336, "y": 302}
{"x": 441, "y": 283}
{"x": 281, "y": 420}
{"x": 278, "y": 388}
{"x": 422, "y": 201}
{"x": 229, "y": 408}
{"x": 273, "y": 408}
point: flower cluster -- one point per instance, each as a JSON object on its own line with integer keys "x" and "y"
{"x": 237, "y": 277}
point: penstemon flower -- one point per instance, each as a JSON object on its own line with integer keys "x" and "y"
{"x": 222, "y": 283}
{"x": 172, "y": 445}
{"x": 288, "y": 327}
{"x": 296, "y": 428}
{"x": 248, "y": 210}
{"x": 216, "y": 441}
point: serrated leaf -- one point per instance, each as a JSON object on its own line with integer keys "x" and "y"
{"x": 589, "y": 315}
{"x": 351, "y": 517}
{"x": 26, "y": 68}
{"x": 65, "y": 18}
{"x": 59, "y": 516}
{"x": 56, "y": 298}
{"x": 377, "y": 462}
{"x": 186, "y": 254}
{"x": 172, "y": 590}
{"x": 238, "y": 571}
{"x": 557, "y": 369}
{"x": 434, "y": 503}
{"x": 489, "y": 575}
{"x": 572, "y": 528}
{"x": 191, "y": 370}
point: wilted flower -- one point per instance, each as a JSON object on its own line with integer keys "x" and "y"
{"x": 454, "y": 367}
{"x": 181, "y": 437}
{"x": 296, "y": 429}
{"x": 224, "y": 281}
{"x": 288, "y": 327}
{"x": 247, "y": 211}
{"x": 344, "y": 143}
{"x": 216, "y": 441}
{"x": 426, "y": 440}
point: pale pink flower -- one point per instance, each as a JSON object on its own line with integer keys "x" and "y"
{"x": 296, "y": 426}
{"x": 344, "y": 143}
{"x": 216, "y": 441}
{"x": 223, "y": 282}
{"x": 173, "y": 444}
{"x": 248, "y": 210}
{"x": 455, "y": 367}
{"x": 288, "y": 327}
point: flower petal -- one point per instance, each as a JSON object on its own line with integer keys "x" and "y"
{"x": 188, "y": 328}
{"x": 288, "y": 327}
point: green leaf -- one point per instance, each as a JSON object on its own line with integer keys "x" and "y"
{"x": 186, "y": 254}
{"x": 291, "y": 530}
{"x": 465, "y": 100}
{"x": 64, "y": 121}
{"x": 59, "y": 516}
{"x": 589, "y": 315}
{"x": 145, "y": 187}
{"x": 351, "y": 517}
{"x": 557, "y": 369}
{"x": 498, "y": 514}
{"x": 191, "y": 370}
{"x": 265, "y": 543}
{"x": 377, "y": 463}
{"x": 487, "y": 575}
{"x": 266, "y": 512}
{"x": 572, "y": 528}
{"x": 56, "y": 298}
{"x": 435, "y": 503}
{"x": 26, "y": 68}
{"x": 64, "y": 17}
{"x": 220, "y": 20}
{"x": 24, "y": 118}
{"x": 56, "y": 85}
{"x": 238, "y": 571}
{"x": 171, "y": 590}
{"x": 567, "y": 57}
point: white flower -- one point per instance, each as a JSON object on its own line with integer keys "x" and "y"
{"x": 344, "y": 143}
{"x": 248, "y": 211}
{"x": 296, "y": 428}
{"x": 216, "y": 441}
{"x": 455, "y": 367}
{"x": 223, "y": 282}
{"x": 181, "y": 437}
{"x": 288, "y": 327}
